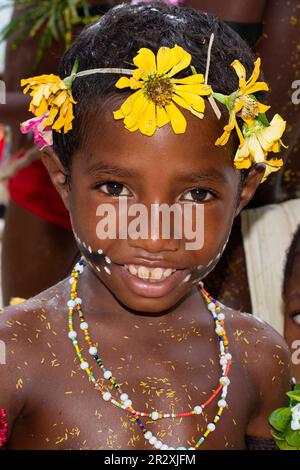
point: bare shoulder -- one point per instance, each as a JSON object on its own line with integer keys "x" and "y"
{"x": 266, "y": 356}
{"x": 26, "y": 332}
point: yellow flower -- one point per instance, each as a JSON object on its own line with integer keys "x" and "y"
{"x": 152, "y": 105}
{"x": 51, "y": 94}
{"x": 241, "y": 103}
{"x": 259, "y": 141}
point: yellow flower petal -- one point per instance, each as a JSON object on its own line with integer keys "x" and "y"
{"x": 197, "y": 102}
{"x": 118, "y": 114}
{"x": 165, "y": 60}
{"x": 184, "y": 60}
{"x": 123, "y": 82}
{"x": 145, "y": 60}
{"x": 177, "y": 119}
{"x": 138, "y": 108}
{"x": 239, "y": 69}
{"x": 147, "y": 120}
{"x": 162, "y": 117}
{"x": 127, "y": 106}
{"x": 256, "y": 150}
{"x": 196, "y": 79}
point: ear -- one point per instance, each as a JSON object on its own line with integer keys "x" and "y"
{"x": 250, "y": 185}
{"x": 57, "y": 173}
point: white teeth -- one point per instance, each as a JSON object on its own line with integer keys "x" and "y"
{"x": 107, "y": 259}
{"x": 143, "y": 272}
{"x": 132, "y": 269}
{"x": 107, "y": 270}
{"x": 156, "y": 273}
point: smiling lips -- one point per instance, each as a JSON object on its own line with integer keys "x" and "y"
{"x": 152, "y": 274}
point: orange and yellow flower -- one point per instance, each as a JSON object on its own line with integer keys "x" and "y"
{"x": 259, "y": 141}
{"x": 154, "y": 103}
{"x": 51, "y": 95}
{"x": 242, "y": 103}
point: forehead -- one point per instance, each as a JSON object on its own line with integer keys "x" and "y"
{"x": 107, "y": 140}
{"x": 294, "y": 281}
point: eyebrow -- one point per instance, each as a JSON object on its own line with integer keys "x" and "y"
{"x": 110, "y": 169}
{"x": 191, "y": 177}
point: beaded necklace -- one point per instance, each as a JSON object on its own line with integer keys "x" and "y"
{"x": 124, "y": 403}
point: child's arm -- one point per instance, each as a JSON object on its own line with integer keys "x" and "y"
{"x": 270, "y": 372}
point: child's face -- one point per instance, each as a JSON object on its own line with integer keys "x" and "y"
{"x": 292, "y": 315}
{"x": 186, "y": 169}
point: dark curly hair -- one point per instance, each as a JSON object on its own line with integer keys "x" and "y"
{"x": 115, "y": 39}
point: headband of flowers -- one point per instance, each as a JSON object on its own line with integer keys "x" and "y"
{"x": 155, "y": 100}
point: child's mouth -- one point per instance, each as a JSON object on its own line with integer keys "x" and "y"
{"x": 152, "y": 282}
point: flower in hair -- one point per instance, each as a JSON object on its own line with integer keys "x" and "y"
{"x": 51, "y": 95}
{"x": 242, "y": 103}
{"x": 158, "y": 91}
{"x": 260, "y": 139}
{"x": 42, "y": 135}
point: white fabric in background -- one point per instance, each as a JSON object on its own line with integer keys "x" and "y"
{"x": 5, "y": 17}
{"x": 267, "y": 234}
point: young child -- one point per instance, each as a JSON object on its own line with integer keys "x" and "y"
{"x": 291, "y": 296}
{"x": 165, "y": 366}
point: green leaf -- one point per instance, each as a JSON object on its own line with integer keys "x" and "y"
{"x": 294, "y": 395}
{"x": 278, "y": 436}
{"x": 296, "y": 387}
{"x": 280, "y": 419}
{"x": 283, "y": 445}
{"x": 293, "y": 438}
{"x": 221, "y": 98}
{"x": 263, "y": 119}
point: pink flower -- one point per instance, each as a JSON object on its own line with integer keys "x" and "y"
{"x": 3, "y": 427}
{"x": 42, "y": 135}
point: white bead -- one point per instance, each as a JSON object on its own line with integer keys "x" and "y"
{"x": 221, "y": 316}
{"x": 158, "y": 445}
{"x": 219, "y": 329}
{"x": 71, "y": 304}
{"x": 211, "y": 306}
{"x": 154, "y": 415}
{"x": 106, "y": 396}
{"x": 75, "y": 341}
{"x": 222, "y": 403}
{"x": 71, "y": 280}
{"x": 84, "y": 365}
{"x": 100, "y": 251}
{"x": 191, "y": 448}
{"x": 124, "y": 397}
{"x": 211, "y": 426}
{"x": 72, "y": 334}
{"x": 228, "y": 357}
{"x": 148, "y": 435}
{"x": 93, "y": 350}
{"x": 107, "y": 374}
{"x": 127, "y": 403}
{"x": 79, "y": 268}
{"x": 84, "y": 325}
{"x": 224, "y": 380}
{"x": 171, "y": 448}
{"x": 198, "y": 410}
{"x": 78, "y": 300}
{"x": 180, "y": 448}
{"x": 152, "y": 440}
{"x": 223, "y": 361}
{"x": 164, "y": 447}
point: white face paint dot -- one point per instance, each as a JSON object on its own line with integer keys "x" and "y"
{"x": 98, "y": 269}
{"x": 107, "y": 259}
{"x": 84, "y": 245}
{"x": 187, "y": 277}
{"x": 100, "y": 252}
{"x": 90, "y": 249}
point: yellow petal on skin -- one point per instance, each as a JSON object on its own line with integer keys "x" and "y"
{"x": 145, "y": 60}
{"x": 127, "y": 106}
{"x": 184, "y": 60}
{"x": 178, "y": 100}
{"x": 118, "y": 114}
{"x": 197, "y": 102}
{"x": 162, "y": 117}
{"x": 177, "y": 119}
{"x": 132, "y": 129}
{"x": 196, "y": 79}
{"x": 147, "y": 120}
{"x": 196, "y": 89}
{"x": 123, "y": 82}
{"x": 223, "y": 139}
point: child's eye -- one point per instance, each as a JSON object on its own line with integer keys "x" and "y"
{"x": 113, "y": 189}
{"x": 198, "y": 195}
{"x": 296, "y": 317}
